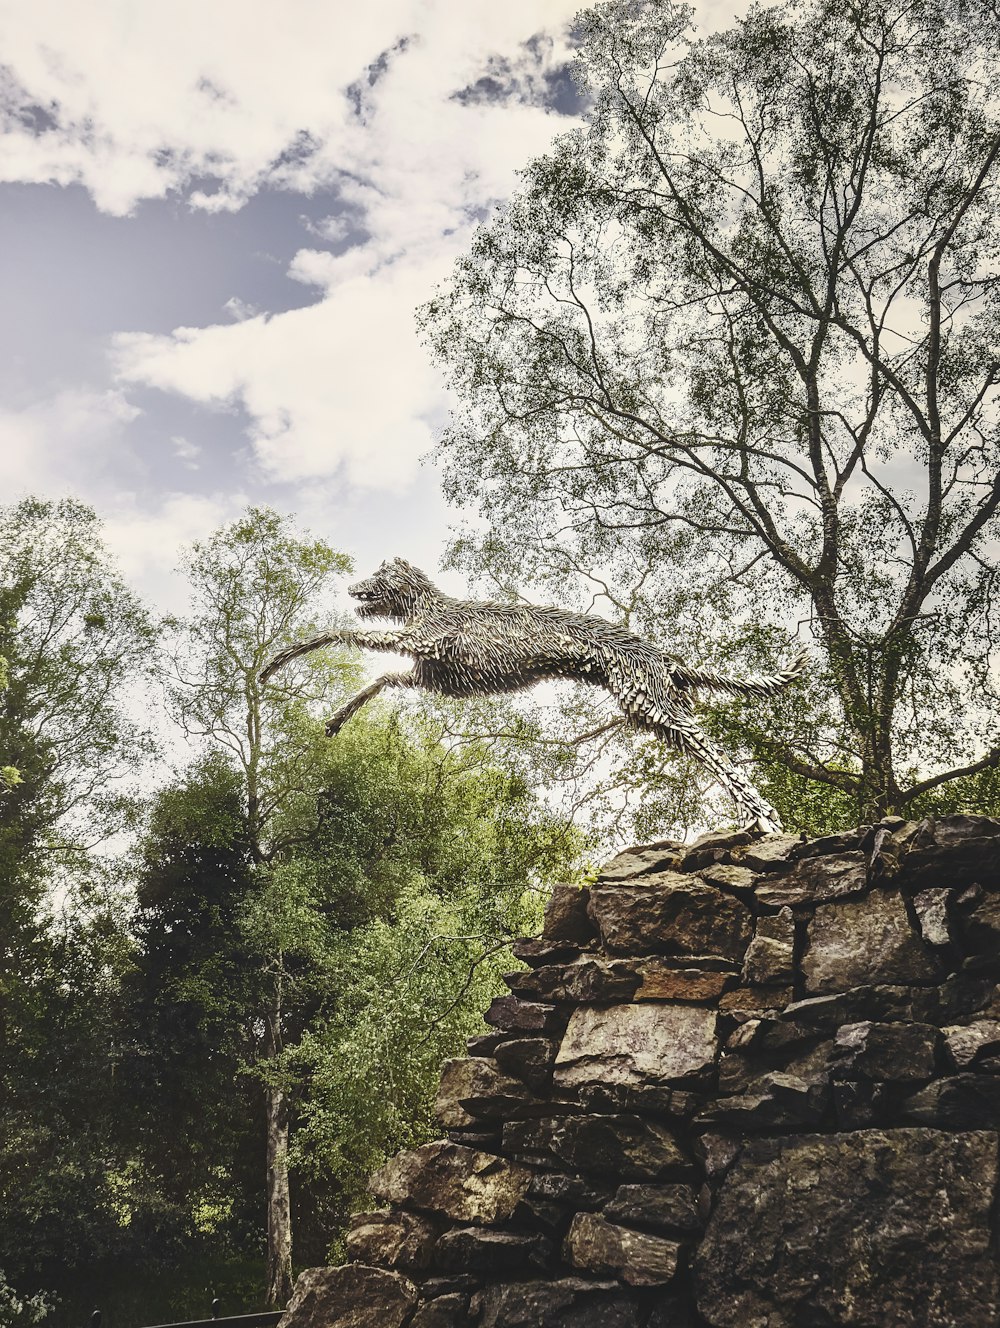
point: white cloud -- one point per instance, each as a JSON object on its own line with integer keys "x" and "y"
{"x": 70, "y": 444}
{"x": 136, "y": 101}
{"x": 238, "y": 309}
{"x": 186, "y": 451}
{"x": 341, "y": 383}
{"x": 147, "y": 540}
{"x": 343, "y": 386}
{"x": 60, "y": 443}
{"x": 144, "y": 98}
{"x": 330, "y": 229}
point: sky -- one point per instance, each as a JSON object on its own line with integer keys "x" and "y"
{"x": 216, "y": 221}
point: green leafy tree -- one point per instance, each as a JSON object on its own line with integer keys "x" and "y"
{"x": 75, "y": 641}
{"x": 332, "y": 838}
{"x": 256, "y": 585}
{"x": 21, "y": 1311}
{"x": 448, "y": 855}
{"x": 60, "y": 1150}
{"x": 188, "y": 1008}
{"x": 9, "y": 775}
{"x": 392, "y": 916}
{"x": 730, "y": 358}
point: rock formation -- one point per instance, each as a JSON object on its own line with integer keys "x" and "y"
{"x": 745, "y": 1083}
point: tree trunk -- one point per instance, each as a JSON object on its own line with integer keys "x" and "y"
{"x": 879, "y": 793}
{"x": 279, "y": 1211}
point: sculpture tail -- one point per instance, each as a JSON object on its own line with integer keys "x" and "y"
{"x": 756, "y": 684}
{"x": 286, "y": 656}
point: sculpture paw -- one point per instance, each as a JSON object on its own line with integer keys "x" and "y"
{"x": 766, "y": 826}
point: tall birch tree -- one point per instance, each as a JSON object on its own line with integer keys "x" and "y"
{"x": 256, "y": 586}
{"x": 730, "y": 357}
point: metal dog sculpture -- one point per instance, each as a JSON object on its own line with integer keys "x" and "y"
{"x": 475, "y": 648}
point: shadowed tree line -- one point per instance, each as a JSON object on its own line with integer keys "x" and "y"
{"x": 209, "y": 1038}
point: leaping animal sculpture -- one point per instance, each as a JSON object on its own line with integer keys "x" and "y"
{"x": 481, "y": 647}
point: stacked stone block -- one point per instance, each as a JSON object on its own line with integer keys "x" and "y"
{"x": 747, "y": 1083}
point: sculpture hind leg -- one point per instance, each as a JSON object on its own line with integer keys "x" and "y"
{"x": 650, "y": 702}
{"x": 337, "y": 721}
{"x": 690, "y": 739}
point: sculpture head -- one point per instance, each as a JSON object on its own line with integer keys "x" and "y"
{"x": 393, "y": 591}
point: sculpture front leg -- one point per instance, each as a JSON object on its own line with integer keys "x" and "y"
{"x": 364, "y": 640}
{"x": 345, "y": 636}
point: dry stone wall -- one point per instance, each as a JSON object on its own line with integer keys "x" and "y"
{"x": 745, "y": 1083}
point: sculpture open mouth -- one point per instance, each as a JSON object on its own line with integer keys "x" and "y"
{"x": 370, "y": 603}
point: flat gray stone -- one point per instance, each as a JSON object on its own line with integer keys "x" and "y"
{"x": 674, "y": 1207}
{"x": 528, "y": 1059}
{"x": 635, "y": 1044}
{"x": 776, "y": 1099}
{"x": 673, "y": 913}
{"x": 622, "y": 1147}
{"x": 888, "y": 1004}
{"x": 981, "y": 928}
{"x": 768, "y": 853}
{"x": 566, "y": 917}
{"x": 960, "y": 1102}
{"x": 864, "y": 941}
{"x": 932, "y": 913}
{"x": 769, "y": 958}
{"x": 482, "y": 1250}
{"x": 876, "y": 1227}
{"x": 728, "y": 876}
{"x": 513, "y": 1015}
{"x": 588, "y": 978}
{"x": 954, "y": 849}
{"x": 391, "y": 1240}
{"x": 814, "y": 880}
{"x": 569, "y": 1302}
{"x": 715, "y": 846}
{"x": 643, "y": 859}
{"x": 453, "y": 1181}
{"x": 351, "y": 1296}
{"x": 884, "y": 1053}
{"x": 965, "y": 1043}
{"x": 448, "y": 1311}
{"x": 598, "y": 1246}
{"x": 473, "y": 1087}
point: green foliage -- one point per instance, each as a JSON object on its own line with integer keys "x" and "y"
{"x": 462, "y": 857}
{"x": 20, "y": 1311}
{"x": 410, "y": 990}
{"x": 65, "y": 723}
{"x": 59, "y": 1150}
{"x": 67, "y": 732}
{"x": 316, "y": 921}
{"x": 342, "y": 840}
{"x": 188, "y": 1002}
{"x": 385, "y": 929}
{"x": 9, "y": 775}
